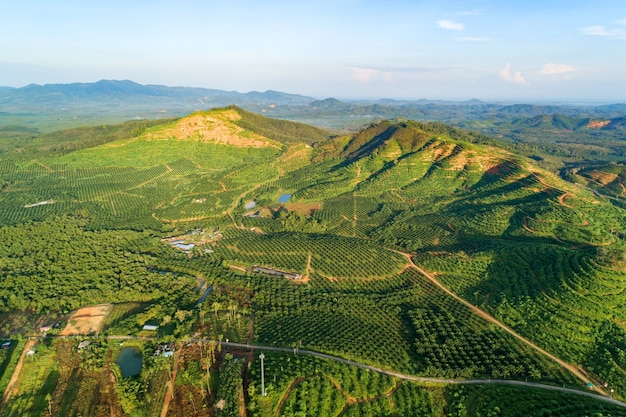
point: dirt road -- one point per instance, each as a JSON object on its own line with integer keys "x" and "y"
{"x": 8, "y": 392}
{"x": 571, "y": 368}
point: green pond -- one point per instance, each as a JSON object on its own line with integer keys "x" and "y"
{"x": 129, "y": 360}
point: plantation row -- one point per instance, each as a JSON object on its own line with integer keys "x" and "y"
{"x": 403, "y": 323}
{"x": 330, "y": 255}
{"x": 554, "y": 294}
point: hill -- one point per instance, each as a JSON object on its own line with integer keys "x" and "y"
{"x": 417, "y": 249}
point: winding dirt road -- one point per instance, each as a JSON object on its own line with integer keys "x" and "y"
{"x": 571, "y": 368}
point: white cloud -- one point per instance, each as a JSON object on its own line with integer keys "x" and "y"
{"x": 515, "y": 77}
{"x": 596, "y": 30}
{"x": 556, "y": 69}
{"x": 364, "y": 75}
{"x": 472, "y": 39}
{"x": 450, "y": 25}
{"x": 600, "y": 30}
{"x": 369, "y": 75}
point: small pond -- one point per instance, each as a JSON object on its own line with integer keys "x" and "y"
{"x": 129, "y": 360}
{"x": 284, "y": 198}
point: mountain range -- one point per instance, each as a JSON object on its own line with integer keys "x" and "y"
{"x": 115, "y": 92}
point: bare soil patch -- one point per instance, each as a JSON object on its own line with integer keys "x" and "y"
{"x": 216, "y": 127}
{"x": 304, "y": 209}
{"x": 603, "y": 177}
{"x": 86, "y": 320}
{"x": 597, "y": 124}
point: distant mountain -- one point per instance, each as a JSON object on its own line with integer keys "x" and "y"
{"x": 113, "y": 92}
{"x": 611, "y": 108}
{"x": 557, "y": 121}
{"x": 330, "y": 104}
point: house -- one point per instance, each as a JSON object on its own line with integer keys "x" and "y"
{"x": 166, "y": 350}
{"x": 31, "y": 352}
{"x": 185, "y": 246}
{"x": 45, "y": 328}
{"x": 83, "y": 344}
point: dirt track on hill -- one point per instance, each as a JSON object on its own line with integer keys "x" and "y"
{"x": 571, "y": 368}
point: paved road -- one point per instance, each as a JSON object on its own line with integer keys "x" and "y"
{"x": 380, "y": 370}
{"x": 419, "y": 378}
{"x": 571, "y": 368}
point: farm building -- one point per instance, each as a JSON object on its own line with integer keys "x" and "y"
{"x": 185, "y": 246}
{"x": 166, "y": 350}
{"x": 150, "y": 327}
{"x": 284, "y": 198}
{"x": 83, "y": 344}
{"x": 5, "y": 345}
{"x": 250, "y": 205}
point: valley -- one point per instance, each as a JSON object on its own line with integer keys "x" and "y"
{"x": 414, "y": 269}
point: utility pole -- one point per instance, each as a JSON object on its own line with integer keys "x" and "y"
{"x": 263, "y": 393}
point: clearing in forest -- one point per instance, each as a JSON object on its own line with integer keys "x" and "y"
{"x": 86, "y": 320}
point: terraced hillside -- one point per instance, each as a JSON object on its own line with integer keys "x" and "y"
{"x": 413, "y": 247}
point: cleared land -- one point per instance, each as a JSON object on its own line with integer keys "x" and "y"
{"x": 86, "y": 320}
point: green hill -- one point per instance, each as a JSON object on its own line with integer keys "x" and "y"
{"x": 383, "y": 245}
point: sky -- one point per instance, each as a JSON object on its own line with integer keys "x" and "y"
{"x": 535, "y": 50}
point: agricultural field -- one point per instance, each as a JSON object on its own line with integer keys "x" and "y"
{"x": 410, "y": 247}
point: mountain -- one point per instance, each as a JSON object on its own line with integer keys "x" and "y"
{"x": 329, "y": 104}
{"x": 416, "y": 248}
{"x": 113, "y": 92}
{"x": 557, "y": 121}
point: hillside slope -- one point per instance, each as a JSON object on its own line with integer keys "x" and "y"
{"x": 313, "y": 238}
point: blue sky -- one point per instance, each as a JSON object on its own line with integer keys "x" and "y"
{"x": 488, "y": 49}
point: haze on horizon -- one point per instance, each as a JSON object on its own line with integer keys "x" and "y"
{"x": 492, "y": 50}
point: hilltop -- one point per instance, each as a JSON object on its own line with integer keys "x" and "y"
{"x": 411, "y": 247}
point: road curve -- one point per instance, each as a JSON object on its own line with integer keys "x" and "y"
{"x": 419, "y": 378}
{"x": 486, "y": 316}
{"x": 377, "y": 369}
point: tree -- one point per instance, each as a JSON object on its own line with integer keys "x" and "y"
{"x": 216, "y": 307}
{"x": 49, "y": 399}
{"x": 181, "y": 315}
